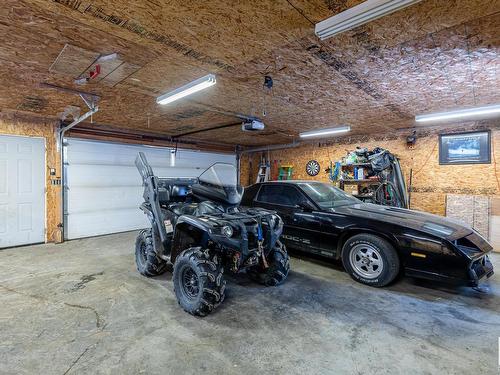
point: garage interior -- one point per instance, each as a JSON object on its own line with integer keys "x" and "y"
{"x": 80, "y": 82}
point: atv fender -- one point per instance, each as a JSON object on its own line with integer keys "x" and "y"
{"x": 189, "y": 231}
{"x": 158, "y": 246}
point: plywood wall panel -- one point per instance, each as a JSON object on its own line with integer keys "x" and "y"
{"x": 495, "y": 224}
{"x": 431, "y": 181}
{"x": 472, "y": 210}
{"x": 482, "y": 215}
{"x": 434, "y": 203}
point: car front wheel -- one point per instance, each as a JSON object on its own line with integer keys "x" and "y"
{"x": 370, "y": 260}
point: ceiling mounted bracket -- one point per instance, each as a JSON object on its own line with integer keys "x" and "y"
{"x": 90, "y": 100}
{"x": 64, "y": 129}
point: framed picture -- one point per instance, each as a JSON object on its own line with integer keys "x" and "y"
{"x": 465, "y": 148}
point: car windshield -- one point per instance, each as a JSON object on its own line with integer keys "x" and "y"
{"x": 327, "y": 196}
{"x": 220, "y": 174}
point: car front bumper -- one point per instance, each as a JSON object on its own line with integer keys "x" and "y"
{"x": 479, "y": 270}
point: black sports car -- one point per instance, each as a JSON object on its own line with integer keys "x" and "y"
{"x": 375, "y": 242}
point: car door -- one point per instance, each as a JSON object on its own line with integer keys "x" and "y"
{"x": 301, "y": 228}
{"x": 332, "y": 220}
{"x": 332, "y": 224}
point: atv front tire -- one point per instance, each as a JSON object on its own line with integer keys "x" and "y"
{"x": 199, "y": 283}
{"x": 148, "y": 263}
{"x": 278, "y": 261}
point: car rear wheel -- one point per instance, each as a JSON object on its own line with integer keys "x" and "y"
{"x": 370, "y": 260}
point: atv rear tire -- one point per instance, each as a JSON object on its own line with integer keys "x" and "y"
{"x": 148, "y": 263}
{"x": 371, "y": 260}
{"x": 199, "y": 283}
{"x": 278, "y": 261}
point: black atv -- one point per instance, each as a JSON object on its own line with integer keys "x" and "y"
{"x": 197, "y": 227}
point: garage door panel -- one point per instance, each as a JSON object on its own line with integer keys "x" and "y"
{"x": 101, "y": 175}
{"x": 105, "y": 221}
{"x": 104, "y": 188}
{"x": 178, "y": 171}
{"x": 3, "y": 218}
{"x": 84, "y": 199}
{"x": 104, "y": 175}
{"x": 4, "y": 179}
{"x": 92, "y": 153}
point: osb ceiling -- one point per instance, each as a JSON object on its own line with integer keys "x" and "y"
{"x": 432, "y": 56}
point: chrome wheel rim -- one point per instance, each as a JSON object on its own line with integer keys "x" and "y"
{"x": 366, "y": 261}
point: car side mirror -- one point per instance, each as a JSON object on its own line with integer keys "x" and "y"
{"x": 305, "y": 206}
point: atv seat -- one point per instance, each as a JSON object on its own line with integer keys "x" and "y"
{"x": 184, "y": 209}
{"x": 207, "y": 207}
{"x": 163, "y": 196}
{"x": 196, "y": 209}
{"x": 178, "y": 193}
{"x": 172, "y": 193}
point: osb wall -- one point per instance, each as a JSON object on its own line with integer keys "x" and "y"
{"x": 431, "y": 181}
{"x": 45, "y": 129}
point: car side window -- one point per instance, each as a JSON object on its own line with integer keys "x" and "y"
{"x": 249, "y": 195}
{"x": 280, "y": 194}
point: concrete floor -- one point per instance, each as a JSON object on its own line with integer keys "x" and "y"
{"x": 81, "y": 307}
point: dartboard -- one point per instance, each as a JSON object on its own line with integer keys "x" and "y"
{"x": 312, "y": 167}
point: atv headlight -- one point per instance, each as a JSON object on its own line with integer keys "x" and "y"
{"x": 227, "y": 231}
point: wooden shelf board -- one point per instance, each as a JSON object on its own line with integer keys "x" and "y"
{"x": 356, "y": 165}
{"x": 359, "y": 181}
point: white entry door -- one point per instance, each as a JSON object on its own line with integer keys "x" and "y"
{"x": 22, "y": 190}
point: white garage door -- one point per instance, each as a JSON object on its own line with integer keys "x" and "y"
{"x": 22, "y": 190}
{"x": 104, "y": 188}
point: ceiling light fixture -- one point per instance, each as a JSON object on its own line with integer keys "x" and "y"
{"x": 358, "y": 15}
{"x": 461, "y": 114}
{"x": 190, "y": 88}
{"x": 325, "y": 132}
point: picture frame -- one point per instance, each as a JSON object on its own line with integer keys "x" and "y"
{"x": 465, "y": 148}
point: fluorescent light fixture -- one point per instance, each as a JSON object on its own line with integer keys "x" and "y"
{"x": 325, "y": 132}
{"x": 190, "y": 88}
{"x": 358, "y": 15}
{"x": 461, "y": 114}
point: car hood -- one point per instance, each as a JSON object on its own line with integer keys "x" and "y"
{"x": 433, "y": 224}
